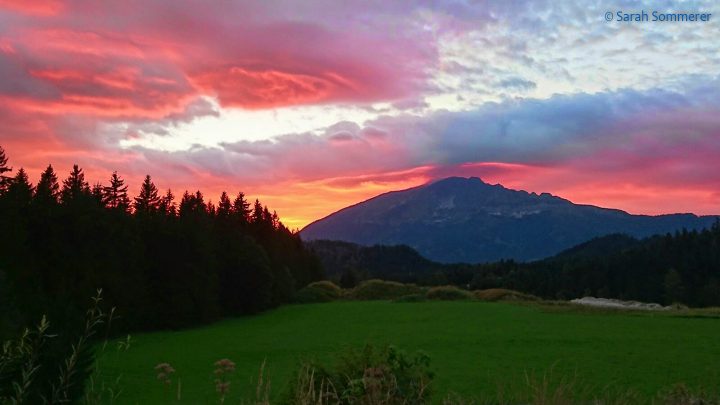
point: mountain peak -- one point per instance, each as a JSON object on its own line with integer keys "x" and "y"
{"x": 465, "y": 219}
{"x": 459, "y": 180}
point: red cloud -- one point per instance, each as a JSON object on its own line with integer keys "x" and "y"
{"x": 121, "y": 60}
{"x": 240, "y": 87}
{"x": 39, "y": 7}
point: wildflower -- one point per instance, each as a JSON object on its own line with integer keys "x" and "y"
{"x": 223, "y": 367}
{"x": 226, "y": 365}
{"x": 164, "y": 371}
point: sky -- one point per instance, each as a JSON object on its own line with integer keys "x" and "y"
{"x": 315, "y": 105}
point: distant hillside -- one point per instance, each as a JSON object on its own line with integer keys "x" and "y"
{"x": 681, "y": 267}
{"x": 400, "y": 263}
{"x": 467, "y": 220}
{"x": 600, "y": 246}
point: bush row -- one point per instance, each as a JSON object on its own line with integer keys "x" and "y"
{"x": 326, "y": 291}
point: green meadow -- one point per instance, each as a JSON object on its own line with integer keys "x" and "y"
{"x": 477, "y": 349}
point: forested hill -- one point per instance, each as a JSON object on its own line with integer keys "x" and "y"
{"x": 681, "y": 267}
{"x": 162, "y": 262}
{"x": 347, "y": 263}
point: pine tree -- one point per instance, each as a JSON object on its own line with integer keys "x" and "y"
{"x": 257, "y": 215}
{"x": 167, "y": 204}
{"x": 241, "y": 208}
{"x": 192, "y": 204}
{"x": 224, "y": 208}
{"x": 4, "y": 180}
{"x": 267, "y": 216}
{"x": 19, "y": 189}
{"x": 275, "y": 220}
{"x": 148, "y": 200}
{"x": 97, "y": 192}
{"x": 115, "y": 195}
{"x": 75, "y": 186}
{"x": 48, "y": 189}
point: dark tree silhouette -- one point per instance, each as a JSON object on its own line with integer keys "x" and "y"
{"x": 241, "y": 208}
{"x": 257, "y": 213}
{"x": 166, "y": 270}
{"x": 4, "y": 180}
{"x": 48, "y": 190}
{"x": 224, "y": 208}
{"x": 167, "y": 204}
{"x": 97, "y": 192}
{"x": 19, "y": 190}
{"x": 115, "y": 195}
{"x": 148, "y": 200}
{"x": 74, "y": 187}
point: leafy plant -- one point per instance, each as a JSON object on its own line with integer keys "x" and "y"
{"x": 448, "y": 293}
{"x": 369, "y": 375}
{"x": 383, "y": 290}
{"x": 24, "y": 359}
{"x": 319, "y": 291}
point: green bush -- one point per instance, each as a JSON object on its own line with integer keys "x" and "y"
{"x": 383, "y": 290}
{"x": 448, "y": 293}
{"x": 501, "y": 294}
{"x": 412, "y": 298}
{"x": 367, "y": 376}
{"x": 319, "y": 291}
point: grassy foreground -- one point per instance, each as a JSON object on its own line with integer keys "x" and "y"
{"x": 476, "y": 348}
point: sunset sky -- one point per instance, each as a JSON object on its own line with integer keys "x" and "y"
{"x": 314, "y": 105}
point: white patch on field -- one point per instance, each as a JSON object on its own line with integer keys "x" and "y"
{"x": 613, "y": 303}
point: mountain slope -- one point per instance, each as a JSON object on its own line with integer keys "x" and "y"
{"x": 466, "y": 220}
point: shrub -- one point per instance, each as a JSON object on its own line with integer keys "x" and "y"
{"x": 412, "y": 298}
{"x": 367, "y": 376}
{"x": 383, "y": 290}
{"x": 319, "y": 291}
{"x": 682, "y": 395}
{"x": 37, "y": 367}
{"x": 501, "y": 294}
{"x": 448, "y": 293}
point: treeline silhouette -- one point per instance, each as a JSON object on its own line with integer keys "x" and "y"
{"x": 683, "y": 267}
{"x": 164, "y": 263}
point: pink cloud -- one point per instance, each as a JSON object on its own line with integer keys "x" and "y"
{"x": 122, "y": 59}
{"x": 80, "y": 77}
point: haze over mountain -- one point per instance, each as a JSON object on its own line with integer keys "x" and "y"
{"x": 467, "y": 220}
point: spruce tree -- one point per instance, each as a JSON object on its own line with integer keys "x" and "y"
{"x": 19, "y": 189}
{"x": 241, "y": 208}
{"x": 75, "y": 186}
{"x": 257, "y": 215}
{"x": 97, "y": 193}
{"x": 275, "y": 220}
{"x": 4, "y": 180}
{"x": 192, "y": 204}
{"x": 167, "y": 204}
{"x": 267, "y": 216}
{"x": 224, "y": 208}
{"x": 47, "y": 190}
{"x": 115, "y": 195}
{"x": 148, "y": 201}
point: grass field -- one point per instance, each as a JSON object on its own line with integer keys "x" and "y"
{"x": 475, "y": 347}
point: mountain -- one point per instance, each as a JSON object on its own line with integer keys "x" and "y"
{"x": 467, "y": 220}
